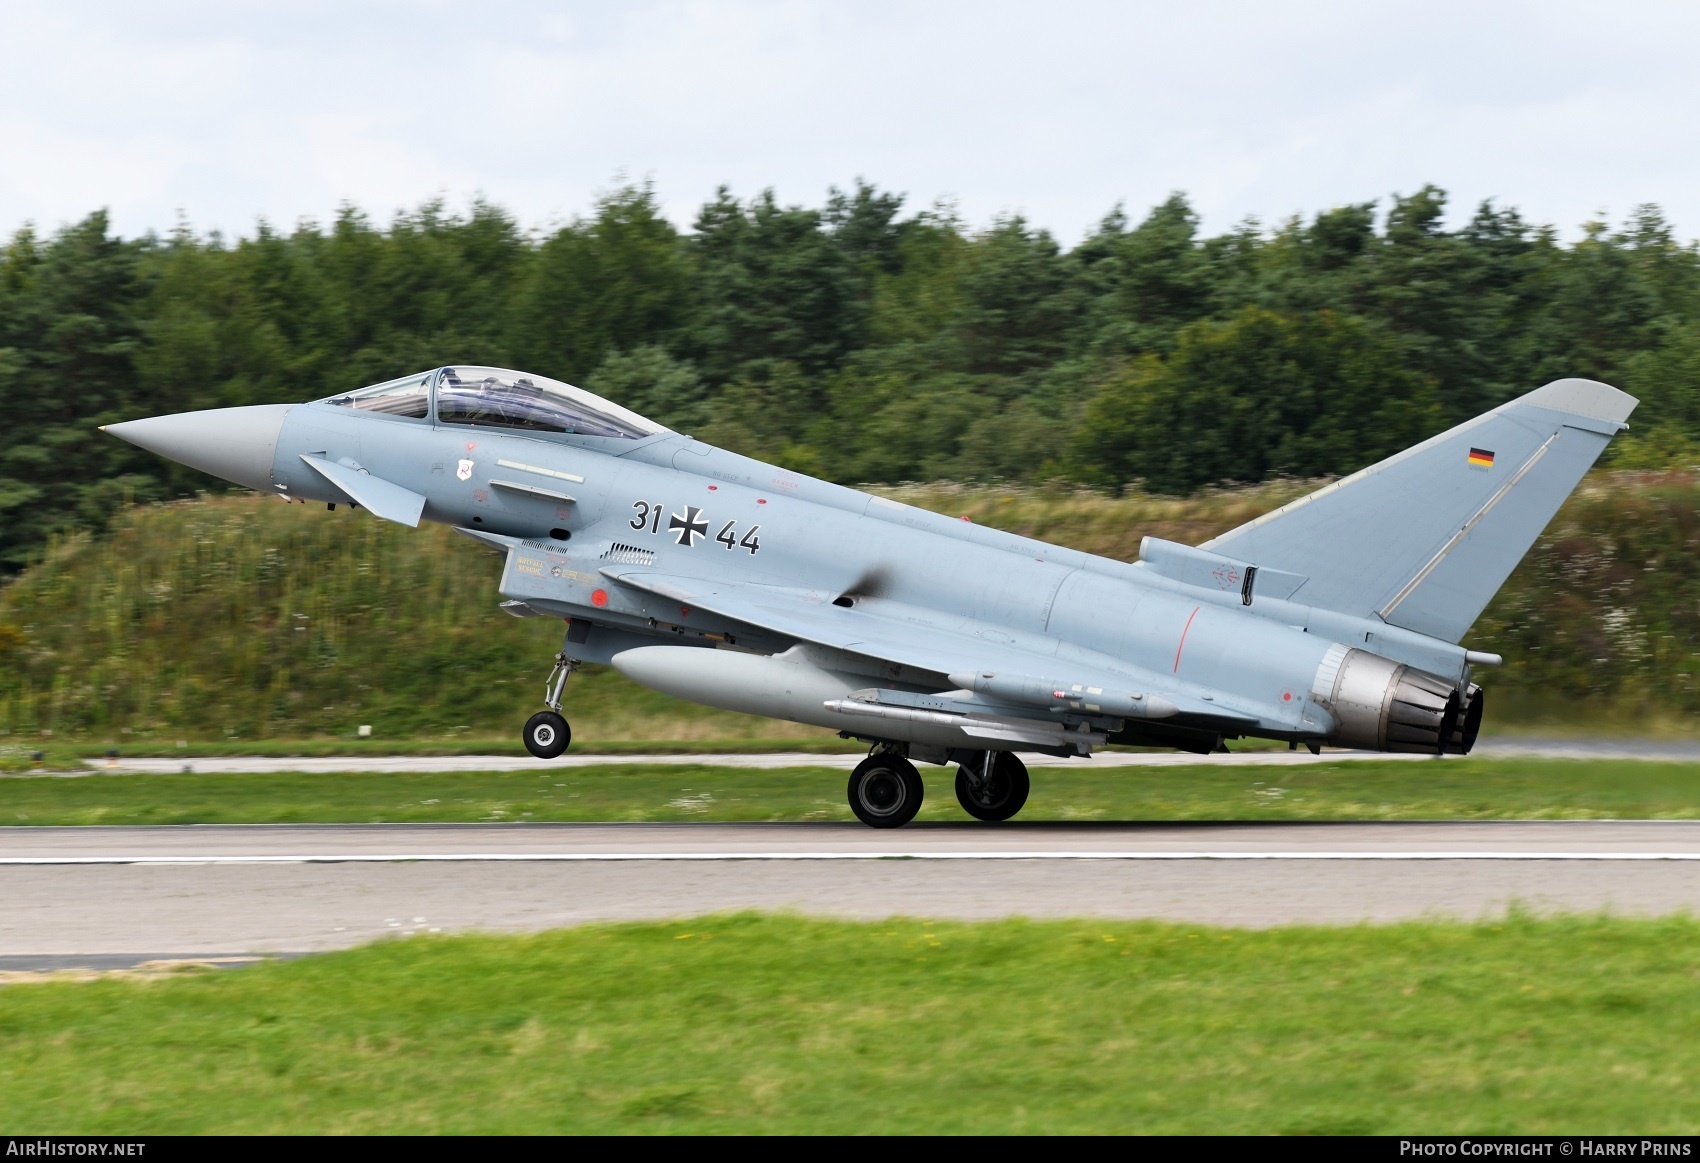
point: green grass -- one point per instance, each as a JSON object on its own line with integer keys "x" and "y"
{"x": 783, "y": 1025}
{"x": 18, "y": 757}
{"x": 1460, "y": 789}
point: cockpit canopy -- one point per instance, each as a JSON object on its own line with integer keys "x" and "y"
{"x": 497, "y": 398}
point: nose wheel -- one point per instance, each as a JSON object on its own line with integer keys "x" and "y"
{"x": 992, "y": 786}
{"x": 885, "y": 790}
{"x": 547, "y": 732}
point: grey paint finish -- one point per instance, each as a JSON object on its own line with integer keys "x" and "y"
{"x": 742, "y": 573}
{"x": 1364, "y": 539}
{"x": 234, "y": 444}
{"x": 391, "y": 502}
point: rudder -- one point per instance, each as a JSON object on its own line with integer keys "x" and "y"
{"x": 1425, "y": 538}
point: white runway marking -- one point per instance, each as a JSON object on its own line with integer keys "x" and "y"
{"x": 604, "y": 857}
{"x": 222, "y": 889}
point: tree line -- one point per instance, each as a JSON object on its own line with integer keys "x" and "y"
{"x": 858, "y": 340}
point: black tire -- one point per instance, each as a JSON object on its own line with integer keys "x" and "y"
{"x": 885, "y": 791}
{"x": 547, "y": 734}
{"x": 1006, "y": 794}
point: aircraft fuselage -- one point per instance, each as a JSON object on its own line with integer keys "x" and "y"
{"x": 675, "y": 505}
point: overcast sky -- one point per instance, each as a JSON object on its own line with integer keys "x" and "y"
{"x": 228, "y": 111}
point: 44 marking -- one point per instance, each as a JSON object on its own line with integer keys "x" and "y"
{"x": 688, "y": 526}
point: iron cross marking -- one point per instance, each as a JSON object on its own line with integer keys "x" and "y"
{"x": 688, "y": 528}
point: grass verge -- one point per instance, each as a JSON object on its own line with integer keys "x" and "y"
{"x": 1464, "y": 789}
{"x": 16, "y": 757}
{"x": 754, "y": 1023}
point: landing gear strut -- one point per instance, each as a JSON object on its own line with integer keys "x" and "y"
{"x": 547, "y": 733}
{"x": 992, "y": 786}
{"x": 885, "y": 790}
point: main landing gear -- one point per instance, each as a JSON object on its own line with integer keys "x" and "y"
{"x": 992, "y": 786}
{"x": 547, "y": 733}
{"x": 886, "y": 791}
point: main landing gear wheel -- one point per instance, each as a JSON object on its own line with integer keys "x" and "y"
{"x": 992, "y": 786}
{"x": 547, "y": 734}
{"x": 885, "y": 791}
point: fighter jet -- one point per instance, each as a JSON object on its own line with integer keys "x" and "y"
{"x": 1335, "y": 620}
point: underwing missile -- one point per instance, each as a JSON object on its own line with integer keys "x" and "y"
{"x": 1056, "y": 694}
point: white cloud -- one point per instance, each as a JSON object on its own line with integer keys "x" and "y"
{"x": 231, "y": 111}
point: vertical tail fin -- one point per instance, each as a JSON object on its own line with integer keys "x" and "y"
{"x": 1425, "y": 538}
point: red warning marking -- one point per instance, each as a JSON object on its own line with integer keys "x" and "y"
{"x": 1184, "y": 632}
{"x": 599, "y": 598}
{"x": 761, "y": 500}
{"x": 713, "y": 488}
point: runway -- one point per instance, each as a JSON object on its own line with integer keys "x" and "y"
{"x": 1597, "y": 840}
{"x": 197, "y": 891}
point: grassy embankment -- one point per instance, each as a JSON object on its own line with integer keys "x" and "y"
{"x": 239, "y": 620}
{"x": 1459, "y": 789}
{"x": 782, "y": 1025}
{"x": 58, "y": 755}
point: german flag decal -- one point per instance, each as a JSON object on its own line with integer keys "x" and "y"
{"x": 1481, "y": 458}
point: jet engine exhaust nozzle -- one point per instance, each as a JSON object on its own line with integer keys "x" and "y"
{"x": 1384, "y": 705}
{"x": 1469, "y": 723}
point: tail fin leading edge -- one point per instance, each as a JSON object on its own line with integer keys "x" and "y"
{"x": 1425, "y": 538}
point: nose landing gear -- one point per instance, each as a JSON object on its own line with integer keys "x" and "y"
{"x": 547, "y": 733}
{"x": 992, "y": 786}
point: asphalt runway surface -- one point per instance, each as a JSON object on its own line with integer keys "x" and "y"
{"x": 122, "y": 895}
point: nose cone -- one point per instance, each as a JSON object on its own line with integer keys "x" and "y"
{"x": 236, "y": 444}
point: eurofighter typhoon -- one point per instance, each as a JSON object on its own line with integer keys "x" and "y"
{"x": 692, "y": 570}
